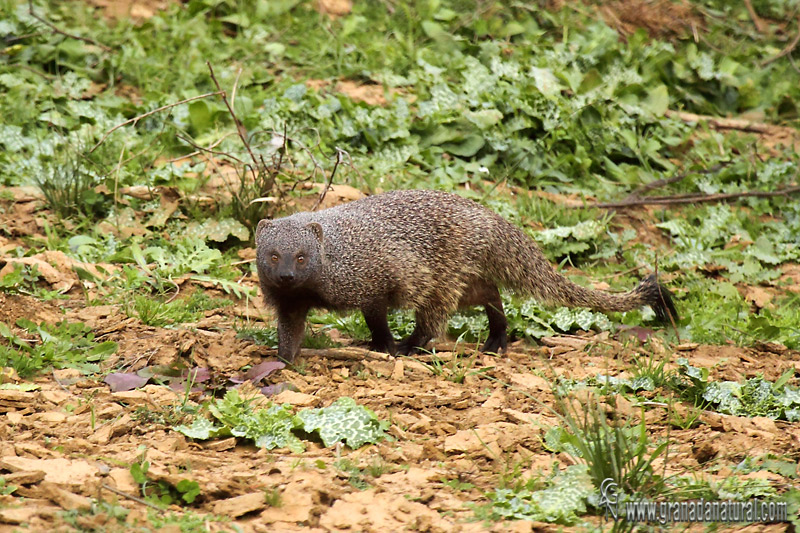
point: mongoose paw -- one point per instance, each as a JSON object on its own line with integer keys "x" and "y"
{"x": 410, "y": 347}
{"x": 385, "y": 346}
{"x": 495, "y": 343}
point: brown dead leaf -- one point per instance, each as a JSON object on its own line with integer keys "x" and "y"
{"x": 134, "y": 9}
{"x": 122, "y": 479}
{"x": 334, "y": 8}
{"x": 296, "y": 398}
{"x": 23, "y": 478}
{"x": 371, "y": 94}
{"x": 758, "y": 296}
{"x": 60, "y": 281}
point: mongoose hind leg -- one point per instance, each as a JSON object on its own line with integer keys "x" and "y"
{"x": 429, "y": 322}
{"x": 291, "y": 329}
{"x": 486, "y": 293}
{"x": 382, "y": 339}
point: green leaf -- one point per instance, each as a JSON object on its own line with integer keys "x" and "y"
{"x": 189, "y": 490}
{"x": 202, "y": 429}
{"x": 562, "y": 501}
{"x": 343, "y": 420}
{"x": 657, "y": 101}
{"x": 485, "y": 118}
{"x": 466, "y": 148}
{"x": 200, "y": 116}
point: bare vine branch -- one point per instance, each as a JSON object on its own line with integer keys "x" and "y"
{"x": 136, "y": 119}
{"x": 59, "y": 31}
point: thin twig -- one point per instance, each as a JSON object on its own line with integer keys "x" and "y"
{"x": 691, "y": 198}
{"x": 65, "y": 389}
{"x": 131, "y": 497}
{"x": 233, "y": 91}
{"x": 37, "y": 72}
{"x": 59, "y": 31}
{"x": 208, "y": 150}
{"x": 239, "y": 126}
{"x": 623, "y": 273}
{"x": 200, "y": 149}
{"x": 134, "y": 120}
{"x": 721, "y": 123}
{"x": 339, "y": 153}
{"x": 786, "y": 51}
{"x": 757, "y": 22}
{"x": 668, "y": 181}
{"x": 177, "y": 292}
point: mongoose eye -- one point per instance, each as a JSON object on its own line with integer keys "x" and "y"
{"x": 301, "y": 259}
{"x": 274, "y": 258}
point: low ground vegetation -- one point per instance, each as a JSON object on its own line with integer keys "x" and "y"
{"x": 142, "y": 141}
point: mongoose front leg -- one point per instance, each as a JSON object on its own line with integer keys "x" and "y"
{"x": 382, "y": 339}
{"x": 291, "y": 328}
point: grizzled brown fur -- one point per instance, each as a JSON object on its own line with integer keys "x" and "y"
{"x": 428, "y": 250}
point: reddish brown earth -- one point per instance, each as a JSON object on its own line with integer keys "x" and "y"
{"x": 72, "y": 438}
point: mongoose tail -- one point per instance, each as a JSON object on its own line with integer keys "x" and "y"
{"x": 531, "y": 273}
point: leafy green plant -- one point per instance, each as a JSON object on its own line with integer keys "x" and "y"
{"x": 454, "y": 369}
{"x": 276, "y": 427}
{"x": 155, "y": 312}
{"x": 650, "y": 370}
{"x": 560, "y": 498}
{"x": 755, "y": 397}
{"x": 20, "y": 280}
{"x": 5, "y": 488}
{"x": 68, "y": 187}
{"x": 162, "y": 492}
{"x": 615, "y": 450}
{"x": 63, "y": 345}
{"x": 687, "y": 419}
{"x": 273, "y": 497}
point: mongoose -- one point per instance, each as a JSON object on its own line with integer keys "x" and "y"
{"x": 428, "y": 250}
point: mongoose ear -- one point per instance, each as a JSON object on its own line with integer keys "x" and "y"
{"x": 316, "y": 229}
{"x": 263, "y": 224}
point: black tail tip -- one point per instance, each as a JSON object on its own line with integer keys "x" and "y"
{"x": 660, "y": 299}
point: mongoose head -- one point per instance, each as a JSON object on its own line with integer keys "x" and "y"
{"x": 289, "y": 254}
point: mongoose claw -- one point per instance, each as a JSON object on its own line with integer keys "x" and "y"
{"x": 496, "y": 343}
{"x": 385, "y": 346}
{"x": 410, "y": 347}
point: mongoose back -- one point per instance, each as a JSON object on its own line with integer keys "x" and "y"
{"x": 428, "y": 250}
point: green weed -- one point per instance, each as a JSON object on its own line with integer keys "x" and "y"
{"x": 64, "y": 345}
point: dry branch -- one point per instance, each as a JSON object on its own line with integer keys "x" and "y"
{"x": 59, "y": 31}
{"x": 239, "y": 126}
{"x": 757, "y": 22}
{"x": 721, "y": 123}
{"x": 134, "y": 120}
{"x": 675, "y": 179}
{"x": 693, "y": 198}
{"x": 339, "y": 152}
{"x": 786, "y": 51}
